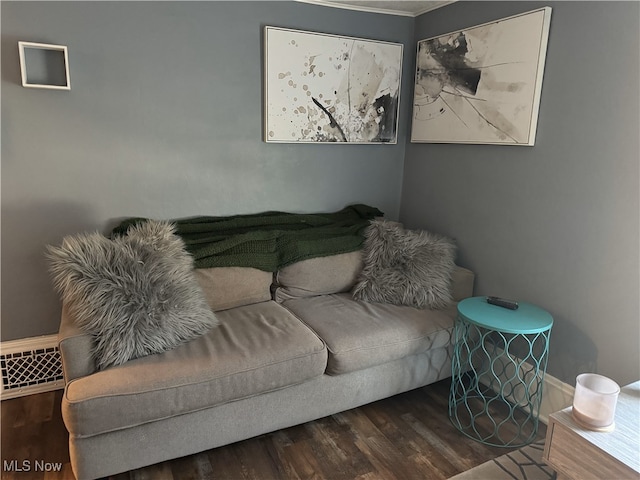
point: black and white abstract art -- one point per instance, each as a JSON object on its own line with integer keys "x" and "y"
{"x": 482, "y": 85}
{"x": 322, "y": 88}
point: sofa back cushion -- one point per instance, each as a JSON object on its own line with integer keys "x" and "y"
{"x": 462, "y": 282}
{"x": 318, "y": 276}
{"x": 229, "y": 287}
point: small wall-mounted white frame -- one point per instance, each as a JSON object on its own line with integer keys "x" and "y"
{"x": 22, "y": 46}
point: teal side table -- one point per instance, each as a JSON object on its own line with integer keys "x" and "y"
{"x": 498, "y": 367}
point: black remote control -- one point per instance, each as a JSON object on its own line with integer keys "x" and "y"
{"x": 503, "y": 302}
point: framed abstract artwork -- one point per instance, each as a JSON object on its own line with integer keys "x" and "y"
{"x": 482, "y": 85}
{"x": 322, "y": 88}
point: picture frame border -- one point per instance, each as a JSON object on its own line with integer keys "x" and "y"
{"x": 541, "y": 61}
{"x": 309, "y": 32}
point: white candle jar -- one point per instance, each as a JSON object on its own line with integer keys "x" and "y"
{"x": 594, "y": 401}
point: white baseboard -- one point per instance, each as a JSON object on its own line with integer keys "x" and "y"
{"x": 556, "y": 395}
{"x": 30, "y": 365}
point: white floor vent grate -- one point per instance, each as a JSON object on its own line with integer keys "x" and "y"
{"x": 30, "y": 366}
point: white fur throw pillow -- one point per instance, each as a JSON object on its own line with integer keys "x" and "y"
{"x": 136, "y": 294}
{"x": 405, "y": 267}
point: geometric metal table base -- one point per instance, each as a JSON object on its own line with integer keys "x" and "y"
{"x": 496, "y": 383}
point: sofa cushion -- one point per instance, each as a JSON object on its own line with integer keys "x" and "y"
{"x": 359, "y": 334}
{"x": 462, "y": 282}
{"x": 229, "y": 287}
{"x": 318, "y": 276}
{"x": 255, "y": 349}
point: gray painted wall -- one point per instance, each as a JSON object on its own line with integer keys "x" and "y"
{"x": 556, "y": 224}
{"x": 163, "y": 120}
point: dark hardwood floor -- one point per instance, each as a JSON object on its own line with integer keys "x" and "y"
{"x": 408, "y": 436}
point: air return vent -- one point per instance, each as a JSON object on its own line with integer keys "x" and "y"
{"x": 30, "y": 365}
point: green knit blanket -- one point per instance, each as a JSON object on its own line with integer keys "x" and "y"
{"x": 271, "y": 240}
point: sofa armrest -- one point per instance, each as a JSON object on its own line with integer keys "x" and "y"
{"x": 75, "y": 348}
{"x": 462, "y": 283}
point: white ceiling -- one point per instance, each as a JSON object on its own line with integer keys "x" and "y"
{"x": 411, "y": 8}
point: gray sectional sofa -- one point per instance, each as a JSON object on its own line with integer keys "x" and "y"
{"x": 290, "y": 347}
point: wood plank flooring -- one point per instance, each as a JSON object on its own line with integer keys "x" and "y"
{"x": 408, "y": 436}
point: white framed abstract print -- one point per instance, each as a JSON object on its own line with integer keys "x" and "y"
{"x": 482, "y": 85}
{"x": 322, "y": 88}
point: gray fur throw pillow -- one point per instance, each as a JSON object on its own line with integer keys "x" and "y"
{"x": 405, "y": 267}
{"x": 136, "y": 294}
